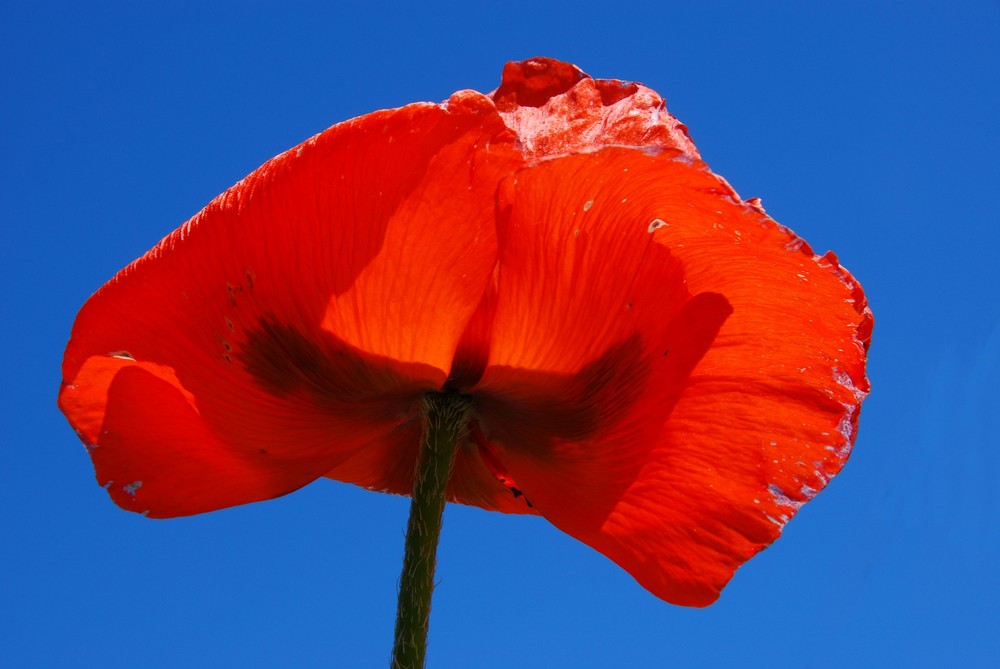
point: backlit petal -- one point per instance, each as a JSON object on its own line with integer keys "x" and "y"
{"x": 671, "y": 374}
{"x": 554, "y": 108}
{"x": 387, "y": 464}
{"x": 298, "y": 318}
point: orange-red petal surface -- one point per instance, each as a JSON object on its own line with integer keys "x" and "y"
{"x": 297, "y": 319}
{"x": 386, "y": 465}
{"x": 671, "y": 373}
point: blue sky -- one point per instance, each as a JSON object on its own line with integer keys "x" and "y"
{"x": 868, "y": 127}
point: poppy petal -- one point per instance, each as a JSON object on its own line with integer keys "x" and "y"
{"x": 386, "y": 465}
{"x": 161, "y": 457}
{"x": 298, "y": 318}
{"x": 671, "y": 374}
{"x": 555, "y": 108}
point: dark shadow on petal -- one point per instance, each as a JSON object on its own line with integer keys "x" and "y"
{"x": 332, "y": 375}
{"x": 473, "y": 350}
{"x": 567, "y": 422}
{"x": 691, "y": 333}
{"x": 540, "y": 407}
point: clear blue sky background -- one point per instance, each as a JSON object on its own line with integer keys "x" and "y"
{"x": 868, "y": 127}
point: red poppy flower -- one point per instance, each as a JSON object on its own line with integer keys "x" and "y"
{"x": 655, "y": 366}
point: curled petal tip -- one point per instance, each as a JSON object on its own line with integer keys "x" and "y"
{"x": 555, "y": 108}
{"x": 533, "y": 82}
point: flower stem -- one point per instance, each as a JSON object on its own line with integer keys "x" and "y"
{"x": 446, "y": 420}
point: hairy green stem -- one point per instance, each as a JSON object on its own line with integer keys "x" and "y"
{"x": 446, "y": 421}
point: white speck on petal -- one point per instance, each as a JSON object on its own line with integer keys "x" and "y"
{"x": 781, "y": 498}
